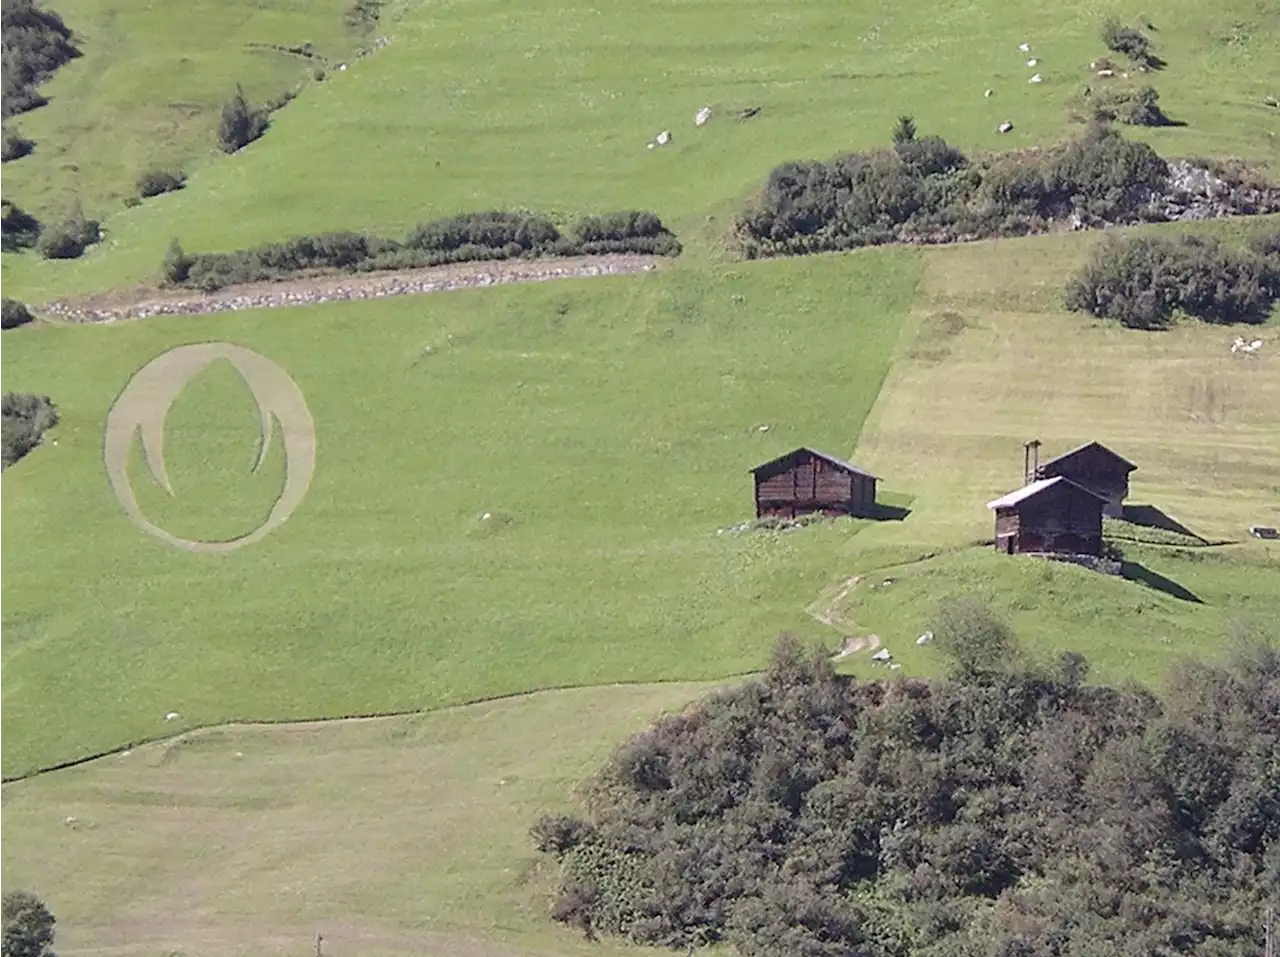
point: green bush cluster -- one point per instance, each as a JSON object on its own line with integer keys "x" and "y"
{"x": 1144, "y": 281}
{"x": 1132, "y": 106}
{"x": 29, "y": 926}
{"x": 466, "y": 238}
{"x": 18, "y": 229}
{"x": 239, "y": 125}
{"x": 1131, "y": 42}
{"x": 26, "y": 418}
{"x": 153, "y": 182}
{"x": 362, "y": 15}
{"x": 15, "y": 314}
{"x": 69, "y": 238}
{"x": 925, "y": 190}
{"x": 15, "y": 145}
{"x": 1010, "y": 810}
{"x": 36, "y": 43}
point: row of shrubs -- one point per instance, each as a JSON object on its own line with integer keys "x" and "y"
{"x": 1145, "y": 281}
{"x": 26, "y": 418}
{"x": 466, "y": 238}
{"x": 924, "y": 190}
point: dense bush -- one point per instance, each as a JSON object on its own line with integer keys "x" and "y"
{"x": 36, "y": 43}
{"x": 1008, "y": 811}
{"x": 15, "y": 314}
{"x": 925, "y": 190}
{"x": 18, "y": 228}
{"x": 471, "y": 237}
{"x": 1132, "y": 42}
{"x": 156, "y": 181}
{"x": 15, "y": 145}
{"x": 28, "y": 926}
{"x": 362, "y": 15}
{"x": 239, "y": 125}
{"x": 1135, "y": 107}
{"x": 25, "y": 419}
{"x": 69, "y": 238}
{"x": 1144, "y": 281}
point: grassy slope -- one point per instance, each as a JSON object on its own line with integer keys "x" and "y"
{"x": 608, "y": 425}
{"x": 148, "y": 90}
{"x": 391, "y": 837}
{"x": 1125, "y": 629}
{"x": 988, "y": 361}
{"x": 549, "y": 105}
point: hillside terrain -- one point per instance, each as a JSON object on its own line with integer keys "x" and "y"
{"x": 539, "y": 491}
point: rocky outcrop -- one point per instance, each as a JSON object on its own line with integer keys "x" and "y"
{"x": 1196, "y": 193}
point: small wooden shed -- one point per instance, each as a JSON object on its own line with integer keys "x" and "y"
{"x": 1050, "y": 515}
{"x": 1095, "y": 467}
{"x": 805, "y": 481}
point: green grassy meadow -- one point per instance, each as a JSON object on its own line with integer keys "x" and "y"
{"x": 149, "y": 87}
{"x": 390, "y": 837}
{"x": 607, "y": 426}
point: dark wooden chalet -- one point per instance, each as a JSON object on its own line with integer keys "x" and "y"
{"x": 1096, "y": 468}
{"x": 1049, "y": 515}
{"x": 805, "y": 481}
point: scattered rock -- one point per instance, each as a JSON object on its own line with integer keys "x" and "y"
{"x": 749, "y": 112}
{"x": 1271, "y": 101}
{"x": 882, "y": 655}
{"x": 172, "y": 715}
{"x": 700, "y": 118}
{"x": 894, "y": 666}
{"x": 1025, "y": 47}
{"x": 989, "y": 93}
{"x": 663, "y": 138}
{"x": 486, "y": 516}
{"x": 650, "y": 145}
{"x": 346, "y": 288}
{"x": 1264, "y": 531}
{"x": 925, "y": 638}
{"x": 1005, "y": 127}
{"x": 1036, "y": 79}
{"x": 1195, "y": 193}
{"x": 763, "y": 428}
{"x": 1033, "y": 62}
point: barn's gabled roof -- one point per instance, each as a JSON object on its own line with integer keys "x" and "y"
{"x": 1065, "y": 456}
{"x": 1037, "y": 488}
{"x": 831, "y": 459}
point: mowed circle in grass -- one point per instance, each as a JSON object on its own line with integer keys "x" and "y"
{"x": 142, "y": 410}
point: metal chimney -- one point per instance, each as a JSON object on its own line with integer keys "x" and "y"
{"x": 1031, "y": 461}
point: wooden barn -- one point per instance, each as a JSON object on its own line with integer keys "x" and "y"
{"x": 805, "y": 481}
{"x": 1050, "y": 515}
{"x": 1092, "y": 466}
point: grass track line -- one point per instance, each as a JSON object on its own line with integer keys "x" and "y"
{"x": 351, "y": 719}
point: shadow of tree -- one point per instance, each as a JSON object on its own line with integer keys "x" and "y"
{"x": 1135, "y": 572}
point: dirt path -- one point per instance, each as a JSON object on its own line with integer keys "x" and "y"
{"x": 144, "y": 302}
